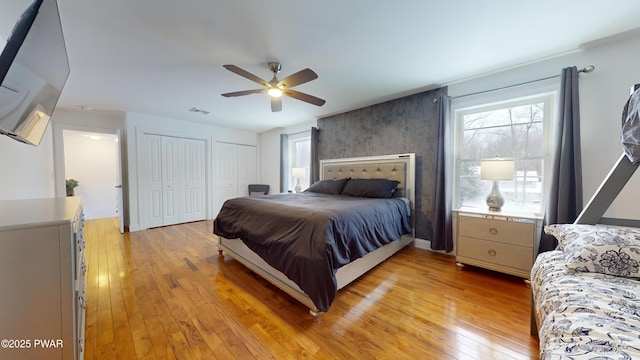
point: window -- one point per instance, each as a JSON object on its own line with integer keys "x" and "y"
{"x": 299, "y": 157}
{"x": 514, "y": 128}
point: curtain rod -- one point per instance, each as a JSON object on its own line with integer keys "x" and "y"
{"x": 586, "y": 70}
{"x": 299, "y": 132}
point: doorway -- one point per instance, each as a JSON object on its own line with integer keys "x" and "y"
{"x": 93, "y": 160}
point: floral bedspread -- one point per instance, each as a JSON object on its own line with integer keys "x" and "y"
{"x": 585, "y": 315}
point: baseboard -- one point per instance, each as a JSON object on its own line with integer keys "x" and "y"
{"x": 426, "y": 245}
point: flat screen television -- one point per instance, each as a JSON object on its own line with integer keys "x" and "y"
{"x": 33, "y": 67}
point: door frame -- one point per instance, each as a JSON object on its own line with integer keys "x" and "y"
{"x": 59, "y": 165}
{"x": 120, "y": 184}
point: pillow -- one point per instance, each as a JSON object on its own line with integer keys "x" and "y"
{"x": 567, "y": 232}
{"x": 373, "y": 188}
{"x": 333, "y": 187}
{"x": 599, "y": 249}
{"x": 400, "y": 193}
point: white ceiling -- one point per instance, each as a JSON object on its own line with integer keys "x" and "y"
{"x": 163, "y": 57}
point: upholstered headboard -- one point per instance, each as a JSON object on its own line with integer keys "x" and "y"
{"x": 399, "y": 167}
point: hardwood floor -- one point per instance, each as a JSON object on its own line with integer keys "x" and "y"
{"x": 165, "y": 293}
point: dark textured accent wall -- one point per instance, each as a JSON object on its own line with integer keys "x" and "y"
{"x": 404, "y": 125}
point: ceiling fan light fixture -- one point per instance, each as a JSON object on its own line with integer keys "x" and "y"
{"x": 277, "y": 88}
{"x": 274, "y": 92}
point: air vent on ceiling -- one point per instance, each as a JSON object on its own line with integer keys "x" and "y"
{"x": 196, "y": 110}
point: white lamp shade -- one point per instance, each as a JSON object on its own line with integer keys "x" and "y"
{"x": 496, "y": 169}
{"x": 297, "y": 172}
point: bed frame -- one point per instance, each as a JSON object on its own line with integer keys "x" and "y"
{"x": 400, "y": 167}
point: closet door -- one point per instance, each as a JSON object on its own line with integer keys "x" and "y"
{"x": 170, "y": 183}
{"x": 172, "y": 180}
{"x": 247, "y": 164}
{"x": 226, "y": 173}
{"x": 151, "y": 180}
{"x": 192, "y": 180}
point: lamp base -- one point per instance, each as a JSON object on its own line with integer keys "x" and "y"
{"x": 495, "y": 199}
{"x": 298, "y": 188}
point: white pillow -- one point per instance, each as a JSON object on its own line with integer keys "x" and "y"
{"x": 600, "y": 249}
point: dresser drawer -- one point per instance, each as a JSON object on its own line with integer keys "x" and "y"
{"x": 509, "y": 232}
{"x": 514, "y": 256}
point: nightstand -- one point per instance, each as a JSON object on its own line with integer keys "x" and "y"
{"x": 500, "y": 241}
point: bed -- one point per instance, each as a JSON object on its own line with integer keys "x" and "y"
{"x": 585, "y": 293}
{"x": 316, "y": 242}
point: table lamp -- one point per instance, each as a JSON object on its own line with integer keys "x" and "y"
{"x": 297, "y": 173}
{"x": 496, "y": 169}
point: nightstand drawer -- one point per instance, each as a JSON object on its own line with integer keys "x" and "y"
{"x": 509, "y": 232}
{"x": 514, "y": 256}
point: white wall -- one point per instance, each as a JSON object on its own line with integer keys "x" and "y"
{"x": 94, "y": 164}
{"x": 138, "y": 124}
{"x": 27, "y": 171}
{"x": 603, "y": 94}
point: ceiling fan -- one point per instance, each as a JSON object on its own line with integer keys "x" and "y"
{"x": 276, "y": 88}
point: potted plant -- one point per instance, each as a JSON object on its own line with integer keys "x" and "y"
{"x": 71, "y": 184}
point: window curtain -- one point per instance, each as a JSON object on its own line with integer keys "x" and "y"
{"x": 314, "y": 172}
{"x": 565, "y": 196}
{"x": 442, "y": 228}
{"x": 284, "y": 163}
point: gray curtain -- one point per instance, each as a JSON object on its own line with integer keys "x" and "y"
{"x": 284, "y": 162}
{"x": 314, "y": 173}
{"x": 442, "y": 229}
{"x": 565, "y": 197}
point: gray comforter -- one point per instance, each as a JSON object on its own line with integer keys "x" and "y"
{"x": 309, "y": 236}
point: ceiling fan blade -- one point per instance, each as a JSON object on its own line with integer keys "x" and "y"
{"x": 245, "y": 74}
{"x": 244, "y": 92}
{"x": 276, "y": 104}
{"x": 298, "y": 78}
{"x": 304, "y": 97}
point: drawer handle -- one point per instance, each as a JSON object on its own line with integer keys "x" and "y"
{"x": 492, "y": 252}
{"x": 493, "y": 231}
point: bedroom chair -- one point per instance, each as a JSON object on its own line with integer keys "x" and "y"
{"x": 258, "y": 189}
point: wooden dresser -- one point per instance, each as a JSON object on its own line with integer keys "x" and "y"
{"x": 42, "y": 277}
{"x": 500, "y": 241}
